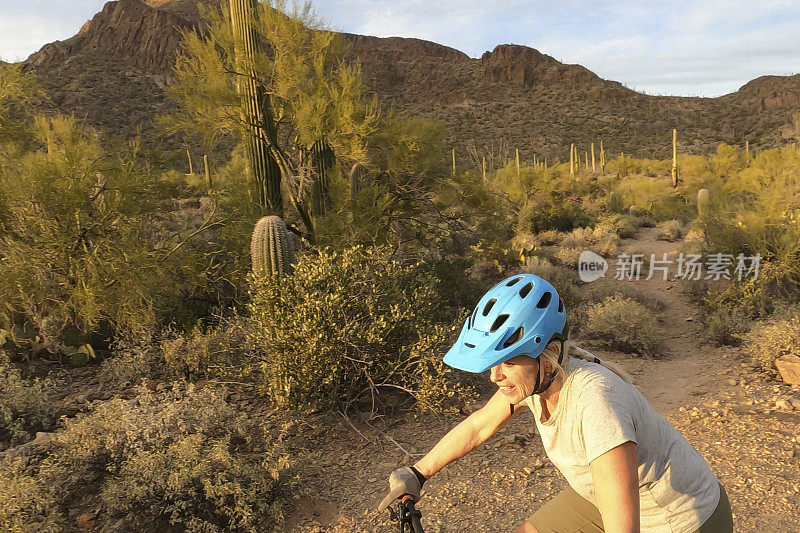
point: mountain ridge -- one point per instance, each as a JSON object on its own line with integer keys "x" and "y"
{"x": 115, "y": 69}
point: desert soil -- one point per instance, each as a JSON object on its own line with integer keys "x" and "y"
{"x": 743, "y": 421}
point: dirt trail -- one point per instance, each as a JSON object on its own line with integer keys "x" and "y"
{"x": 691, "y": 368}
{"x": 710, "y": 394}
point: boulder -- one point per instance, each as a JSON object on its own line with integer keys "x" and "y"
{"x": 789, "y": 368}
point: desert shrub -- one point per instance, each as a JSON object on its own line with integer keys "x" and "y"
{"x": 756, "y": 210}
{"x": 197, "y": 353}
{"x": 72, "y": 226}
{"x": 132, "y": 360}
{"x": 622, "y": 225}
{"x": 602, "y": 240}
{"x": 643, "y": 221}
{"x": 25, "y": 506}
{"x": 547, "y": 237}
{"x": 568, "y": 255}
{"x": 773, "y": 338}
{"x": 624, "y": 324}
{"x": 565, "y": 280}
{"x": 24, "y": 403}
{"x": 596, "y": 292}
{"x": 669, "y": 230}
{"x": 93, "y": 245}
{"x": 349, "y": 325}
{"x": 184, "y": 457}
{"x": 726, "y": 325}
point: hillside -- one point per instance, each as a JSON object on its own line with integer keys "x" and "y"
{"x": 115, "y": 69}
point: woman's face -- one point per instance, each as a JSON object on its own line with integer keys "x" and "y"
{"x": 517, "y": 376}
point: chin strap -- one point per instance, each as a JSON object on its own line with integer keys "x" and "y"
{"x": 543, "y": 386}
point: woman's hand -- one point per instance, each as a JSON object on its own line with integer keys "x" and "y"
{"x": 402, "y": 481}
{"x": 616, "y": 485}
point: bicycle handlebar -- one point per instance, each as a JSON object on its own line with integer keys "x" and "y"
{"x": 407, "y": 514}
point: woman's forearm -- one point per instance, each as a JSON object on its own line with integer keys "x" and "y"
{"x": 458, "y": 442}
{"x": 466, "y": 436}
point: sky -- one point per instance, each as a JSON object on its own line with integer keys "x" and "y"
{"x": 681, "y": 47}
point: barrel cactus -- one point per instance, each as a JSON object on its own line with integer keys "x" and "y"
{"x": 703, "y": 203}
{"x": 271, "y": 248}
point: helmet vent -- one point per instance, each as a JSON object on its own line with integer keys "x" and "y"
{"x": 489, "y": 306}
{"x": 499, "y": 321}
{"x": 537, "y": 340}
{"x": 516, "y": 336}
{"x": 472, "y": 318}
{"x": 512, "y": 282}
{"x": 560, "y": 305}
{"x": 468, "y": 345}
{"x": 544, "y": 301}
{"x": 523, "y": 292}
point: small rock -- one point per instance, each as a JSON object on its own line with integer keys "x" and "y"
{"x": 789, "y": 368}
{"x": 731, "y": 382}
{"x": 784, "y": 405}
{"x": 42, "y": 439}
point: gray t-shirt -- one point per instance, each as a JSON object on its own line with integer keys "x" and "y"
{"x": 597, "y": 411}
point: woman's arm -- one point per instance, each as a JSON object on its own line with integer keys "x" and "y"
{"x": 616, "y": 485}
{"x": 467, "y": 435}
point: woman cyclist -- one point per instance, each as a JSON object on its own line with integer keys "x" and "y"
{"x": 628, "y": 469}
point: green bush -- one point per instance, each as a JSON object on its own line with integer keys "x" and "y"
{"x": 26, "y": 506}
{"x": 622, "y": 225}
{"x": 624, "y": 324}
{"x": 25, "y": 406}
{"x": 669, "y": 230}
{"x": 349, "y": 325}
{"x": 183, "y": 457}
{"x": 217, "y": 351}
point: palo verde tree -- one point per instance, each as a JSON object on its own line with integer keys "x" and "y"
{"x": 308, "y": 101}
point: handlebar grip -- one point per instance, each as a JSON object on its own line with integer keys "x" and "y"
{"x": 408, "y": 501}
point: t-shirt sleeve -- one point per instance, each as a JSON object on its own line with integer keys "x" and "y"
{"x": 606, "y": 420}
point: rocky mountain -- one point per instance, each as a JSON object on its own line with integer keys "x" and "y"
{"x": 115, "y": 70}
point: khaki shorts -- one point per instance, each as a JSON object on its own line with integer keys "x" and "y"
{"x": 571, "y": 513}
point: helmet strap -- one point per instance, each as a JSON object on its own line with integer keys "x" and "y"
{"x": 543, "y": 386}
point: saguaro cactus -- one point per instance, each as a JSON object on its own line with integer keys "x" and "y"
{"x": 594, "y": 168}
{"x": 674, "y": 157}
{"x": 357, "y": 175}
{"x": 747, "y": 150}
{"x": 260, "y": 124}
{"x": 271, "y": 248}
{"x": 572, "y": 160}
{"x": 703, "y": 203}
{"x": 454, "y": 161}
{"x": 615, "y": 202}
{"x": 602, "y": 158}
{"x": 207, "y": 172}
{"x": 322, "y": 161}
{"x": 517, "y": 159}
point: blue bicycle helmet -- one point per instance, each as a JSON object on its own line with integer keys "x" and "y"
{"x": 518, "y": 316}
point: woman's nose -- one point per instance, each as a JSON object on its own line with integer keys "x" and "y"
{"x": 495, "y": 375}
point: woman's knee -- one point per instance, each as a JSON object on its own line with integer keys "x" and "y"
{"x": 526, "y": 527}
